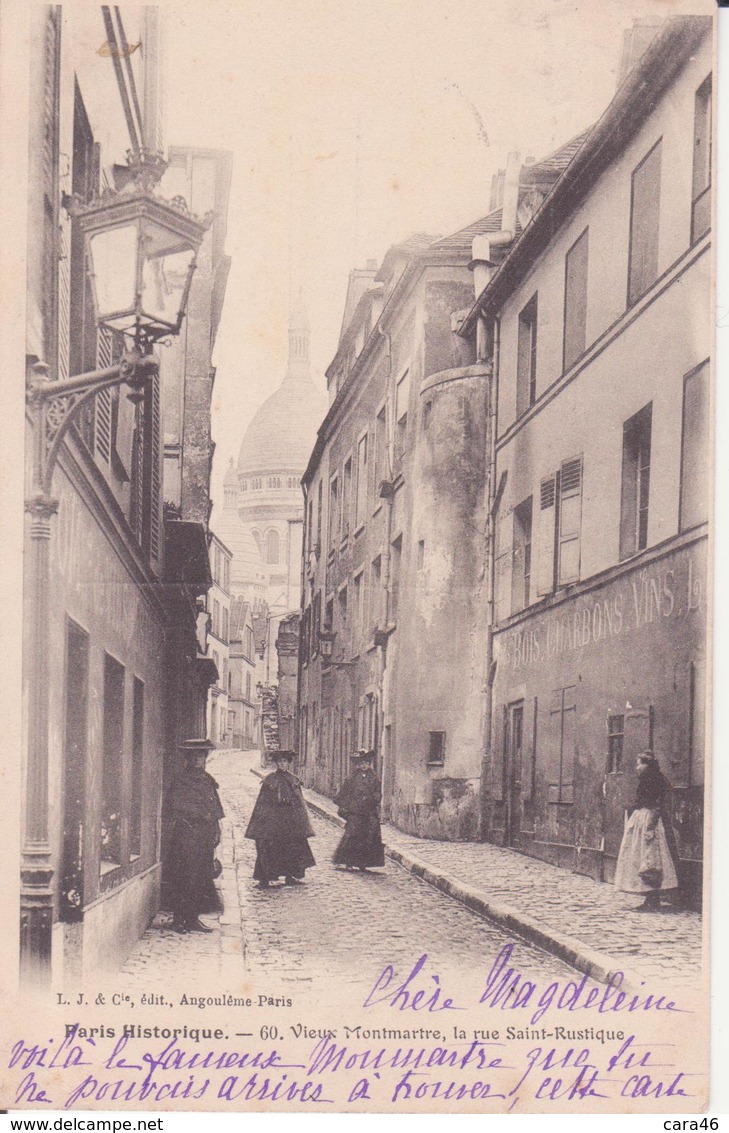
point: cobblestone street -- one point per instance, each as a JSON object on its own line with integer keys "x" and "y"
{"x": 338, "y": 922}
{"x": 353, "y": 923}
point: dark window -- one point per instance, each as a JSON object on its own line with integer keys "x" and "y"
{"x": 343, "y": 607}
{"x": 74, "y": 779}
{"x": 645, "y": 203}
{"x": 272, "y": 547}
{"x": 319, "y": 508}
{"x": 616, "y": 730}
{"x": 635, "y": 482}
{"x": 570, "y": 521}
{"x": 701, "y": 191}
{"x": 395, "y": 561}
{"x": 329, "y": 615}
{"x": 135, "y": 818}
{"x": 382, "y": 464}
{"x": 112, "y": 764}
{"x": 694, "y": 507}
{"x": 375, "y": 591}
{"x": 521, "y": 567}
{"x": 526, "y": 365}
{"x": 561, "y": 751}
{"x": 421, "y": 554}
{"x": 315, "y": 623}
{"x": 575, "y": 300}
{"x": 361, "y": 500}
{"x": 402, "y": 400}
{"x": 436, "y": 749}
{"x": 333, "y": 510}
{"x": 346, "y": 497}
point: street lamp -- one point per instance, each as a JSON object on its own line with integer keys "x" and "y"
{"x": 140, "y": 253}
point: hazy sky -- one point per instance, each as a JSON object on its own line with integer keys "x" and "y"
{"x": 354, "y": 123}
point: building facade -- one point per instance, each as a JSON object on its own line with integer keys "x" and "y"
{"x": 370, "y": 542}
{"x": 245, "y": 677}
{"x": 218, "y": 644}
{"x": 598, "y": 327}
{"x": 123, "y": 578}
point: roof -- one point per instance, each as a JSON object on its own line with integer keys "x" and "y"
{"x": 462, "y": 240}
{"x": 555, "y": 162}
{"x": 418, "y": 242}
{"x": 635, "y": 100}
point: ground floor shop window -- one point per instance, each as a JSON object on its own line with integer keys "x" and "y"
{"x": 112, "y": 764}
{"x": 616, "y": 729}
{"x": 560, "y": 749}
{"x": 135, "y": 817}
{"x": 75, "y": 755}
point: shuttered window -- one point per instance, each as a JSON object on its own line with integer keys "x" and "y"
{"x": 545, "y": 535}
{"x": 695, "y": 464}
{"x": 526, "y": 365}
{"x": 575, "y": 301}
{"x": 635, "y": 484}
{"x": 701, "y": 187}
{"x": 561, "y": 746}
{"x": 645, "y": 204}
{"x": 521, "y": 565}
{"x": 570, "y": 520}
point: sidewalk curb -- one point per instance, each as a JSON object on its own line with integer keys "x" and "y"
{"x": 597, "y": 965}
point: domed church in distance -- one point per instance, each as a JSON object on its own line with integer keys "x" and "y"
{"x": 262, "y": 516}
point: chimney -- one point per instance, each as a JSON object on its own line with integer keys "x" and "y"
{"x": 635, "y": 42}
{"x": 511, "y": 192}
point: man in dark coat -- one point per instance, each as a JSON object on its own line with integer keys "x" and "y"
{"x": 359, "y": 802}
{"x": 280, "y": 826}
{"x": 195, "y": 813}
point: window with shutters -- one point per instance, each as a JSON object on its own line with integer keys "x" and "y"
{"x": 315, "y": 623}
{"x": 358, "y": 584}
{"x": 635, "y": 485}
{"x": 645, "y": 203}
{"x": 569, "y": 521}
{"x": 526, "y": 364}
{"x": 560, "y": 753}
{"x": 521, "y": 563}
{"x": 146, "y": 481}
{"x": 701, "y": 189}
{"x": 575, "y": 301}
{"x": 545, "y": 535}
{"x": 319, "y": 509}
{"x": 695, "y": 467}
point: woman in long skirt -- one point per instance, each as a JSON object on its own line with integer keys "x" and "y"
{"x": 280, "y": 827}
{"x": 359, "y": 803}
{"x": 645, "y": 862}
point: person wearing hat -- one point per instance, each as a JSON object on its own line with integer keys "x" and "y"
{"x": 280, "y": 826}
{"x": 359, "y": 803}
{"x": 195, "y": 813}
{"x": 646, "y": 863}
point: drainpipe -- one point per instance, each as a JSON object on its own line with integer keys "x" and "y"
{"x": 386, "y": 602}
{"x": 482, "y": 338}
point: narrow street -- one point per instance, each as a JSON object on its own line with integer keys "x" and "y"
{"x": 339, "y": 922}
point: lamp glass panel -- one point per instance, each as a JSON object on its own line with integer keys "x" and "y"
{"x": 113, "y": 255}
{"x": 164, "y": 278}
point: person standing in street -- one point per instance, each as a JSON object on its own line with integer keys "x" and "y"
{"x": 359, "y": 803}
{"x": 645, "y": 862}
{"x": 195, "y": 813}
{"x": 280, "y": 826}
